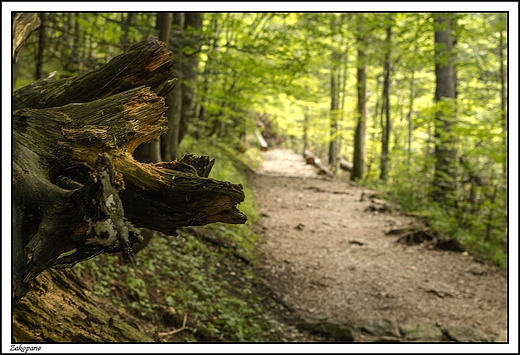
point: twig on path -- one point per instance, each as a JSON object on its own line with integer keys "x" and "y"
{"x": 175, "y": 331}
{"x": 317, "y": 189}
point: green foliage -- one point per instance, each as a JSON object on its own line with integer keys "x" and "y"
{"x": 183, "y": 275}
{"x": 193, "y": 279}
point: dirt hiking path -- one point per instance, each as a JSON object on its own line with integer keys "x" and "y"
{"x": 329, "y": 261}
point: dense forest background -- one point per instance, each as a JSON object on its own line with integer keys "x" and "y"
{"x": 415, "y": 103}
{"x": 360, "y": 87}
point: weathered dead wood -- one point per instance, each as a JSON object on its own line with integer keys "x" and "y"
{"x": 318, "y": 189}
{"x": 345, "y": 164}
{"x": 59, "y": 308}
{"x": 412, "y": 235}
{"x": 73, "y": 164}
{"x": 23, "y": 25}
{"x": 146, "y": 63}
{"x": 261, "y": 140}
{"x": 77, "y": 191}
{"x": 312, "y": 159}
{"x": 417, "y": 234}
{"x": 380, "y": 205}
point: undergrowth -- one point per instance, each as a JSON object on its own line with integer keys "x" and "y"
{"x": 183, "y": 276}
{"x": 466, "y": 228}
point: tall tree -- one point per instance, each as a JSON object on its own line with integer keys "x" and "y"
{"x": 386, "y": 124}
{"x": 444, "y": 180}
{"x": 190, "y": 64}
{"x": 359, "y": 137}
{"x": 42, "y": 43}
{"x": 152, "y": 152}
{"x": 213, "y": 49}
{"x": 164, "y": 21}
{"x": 334, "y": 108}
{"x": 503, "y": 77}
{"x": 126, "y": 24}
{"x": 305, "y": 129}
{"x": 174, "y": 99}
{"x": 411, "y": 97}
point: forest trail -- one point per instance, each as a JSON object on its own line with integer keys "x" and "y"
{"x": 328, "y": 258}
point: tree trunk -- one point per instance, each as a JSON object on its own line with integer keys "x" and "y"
{"x": 305, "y": 129}
{"x": 192, "y": 33}
{"x": 26, "y": 23}
{"x": 163, "y": 22}
{"x": 205, "y": 84}
{"x": 343, "y": 88}
{"x": 444, "y": 181}
{"x": 174, "y": 99}
{"x": 359, "y": 138}
{"x": 78, "y": 192}
{"x": 130, "y": 21}
{"x": 386, "y": 125}
{"x": 333, "y": 140}
{"x": 23, "y": 25}
{"x": 41, "y": 46}
{"x": 409, "y": 119}
{"x": 334, "y": 99}
{"x": 503, "y": 94}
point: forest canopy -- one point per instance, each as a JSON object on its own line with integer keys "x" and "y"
{"x": 306, "y": 73}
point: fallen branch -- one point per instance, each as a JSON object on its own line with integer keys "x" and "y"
{"x": 346, "y": 165}
{"x": 418, "y": 234}
{"x": 317, "y": 189}
{"x": 175, "y": 331}
{"x": 310, "y": 158}
{"x": 261, "y": 140}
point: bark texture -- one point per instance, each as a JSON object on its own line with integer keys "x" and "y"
{"x": 444, "y": 181}
{"x": 78, "y": 192}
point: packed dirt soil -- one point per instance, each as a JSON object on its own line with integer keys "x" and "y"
{"x": 327, "y": 257}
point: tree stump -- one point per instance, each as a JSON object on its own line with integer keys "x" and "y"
{"x": 77, "y": 191}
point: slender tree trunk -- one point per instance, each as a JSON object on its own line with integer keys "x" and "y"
{"x": 334, "y": 106}
{"x": 42, "y": 42}
{"x": 335, "y": 71}
{"x": 68, "y": 32}
{"x": 77, "y": 43}
{"x": 359, "y": 138}
{"x": 386, "y": 125}
{"x": 192, "y": 32}
{"x": 130, "y": 21}
{"x": 207, "y": 66}
{"x": 503, "y": 96}
{"x": 305, "y": 129}
{"x": 16, "y": 68}
{"x": 444, "y": 181}
{"x": 163, "y": 22}
{"x": 174, "y": 99}
{"x": 409, "y": 118}
{"x": 411, "y": 101}
{"x": 342, "y": 94}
